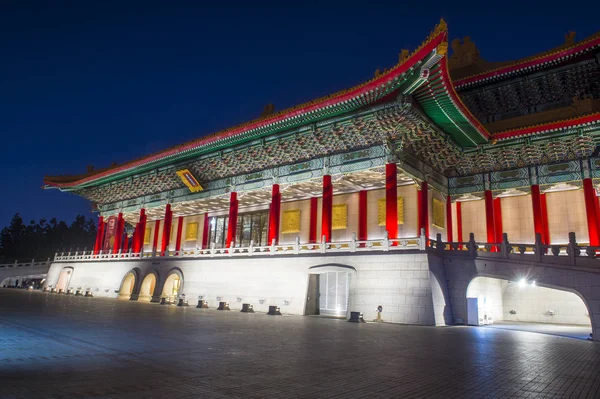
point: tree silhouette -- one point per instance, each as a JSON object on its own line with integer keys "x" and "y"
{"x": 41, "y": 240}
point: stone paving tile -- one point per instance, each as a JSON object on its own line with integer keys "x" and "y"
{"x": 55, "y": 346}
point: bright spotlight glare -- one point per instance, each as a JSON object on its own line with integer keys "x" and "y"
{"x": 533, "y": 283}
{"x": 522, "y": 283}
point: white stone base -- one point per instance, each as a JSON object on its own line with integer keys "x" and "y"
{"x": 400, "y": 283}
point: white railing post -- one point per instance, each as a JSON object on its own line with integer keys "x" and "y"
{"x": 212, "y": 249}
{"x": 323, "y": 245}
{"x": 385, "y": 243}
{"x": 231, "y": 248}
{"x": 297, "y": 246}
{"x": 353, "y": 243}
{"x": 272, "y": 249}
{"x": 422, "y": 240}
{"x": 251, "y": 248}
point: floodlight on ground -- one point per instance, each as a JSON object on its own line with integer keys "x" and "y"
{"x": 522, "y": 283}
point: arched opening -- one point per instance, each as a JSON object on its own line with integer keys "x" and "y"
{"x": 527, "y": 305}
{"x": 172, "y": 287}
{"x": 329, "y": 290}
{"x": 64, "y": 279}
{"x": 127, "y": 286}
{"x": 147, "y": 288}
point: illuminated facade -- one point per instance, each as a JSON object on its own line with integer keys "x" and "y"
{"x": 438, "y": 144}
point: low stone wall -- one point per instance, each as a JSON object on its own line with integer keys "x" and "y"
{"x": 400, "y": 283}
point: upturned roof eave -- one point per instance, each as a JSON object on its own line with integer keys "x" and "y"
{"x": 224, "y": 138}
{"x": 536, "y": 63}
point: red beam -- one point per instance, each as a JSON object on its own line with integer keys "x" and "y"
{"x": 327, "y": 208}
{"x": 489, "y": 217}
{"x": 274, "y": 215}
{"x": 449, "y": 224}
{"x": 362, "y": 215}
{"x": 391, "y": 200}
{"x": 459, "y": 231}
{"x": 546, "y": 234}
{"x": 312, "y": 228}
{"x": 166, "y": 238}
{"x": 538, "y": 218}
{"x": 119, "y": 234}
{"x": 205, "y": 231}
{"x": 233, "y": 212}
{"x": 142, "y": 231}
{"x": 589, "y": 194}
{"x": 179, "y": 231}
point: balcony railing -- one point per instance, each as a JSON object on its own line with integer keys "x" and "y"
{"x": 384, "y": 245}
{"x": 505, "y": 249}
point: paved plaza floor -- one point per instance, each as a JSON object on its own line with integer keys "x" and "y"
{"x": 55, "y": 346}
{"x": 565, "y": 330}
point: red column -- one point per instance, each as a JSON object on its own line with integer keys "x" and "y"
{"x": 205, "y": 231}
{"x": 423, "y": 209}
{"x": 274, "y": 212}
{"x": 498, "y": 219}
{"x": 489, "y": 217}
{"x": 166, "y": 238}
{"x": 155, "y": 241}
{"x": 327, "y": 208}
{"x": 590, "y": 209}
{"x": 362, "y": 215}
{"x": 449, "y": 219}
{"x": 119, "y": 234}
{"x": 312, "y": 228}
{"x": 179, "y": 231}
{"x": 135, "y": 238}
{"x": 538, "y": 219}
{"x": 391, "y": 200}
{"x": 459, "y": 224}
{"x": 142, "y": 231}
{"x": 125, "y": 244}
{"x": 99, "y": 235}
{"x": 232, "y": 226}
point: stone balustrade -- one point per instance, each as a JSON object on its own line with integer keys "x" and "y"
{"x": 352, "y": 246}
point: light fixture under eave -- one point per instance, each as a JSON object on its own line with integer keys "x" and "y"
{"x": 511, "y": 192}
{"x": 467, "y": 197}
{"x": 561, "y": 187}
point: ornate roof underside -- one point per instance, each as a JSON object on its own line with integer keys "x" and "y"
{"x": 403, "y": 79}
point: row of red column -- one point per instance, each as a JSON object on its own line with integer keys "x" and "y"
{"x": 391, "y": 196}
{"x": 493, "y": 215}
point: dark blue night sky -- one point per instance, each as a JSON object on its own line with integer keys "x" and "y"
{"x": 95, "y": 82}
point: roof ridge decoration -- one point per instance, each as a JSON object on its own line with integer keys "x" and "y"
{"x": 530, "y": 63}
{"x": 438, "y": 35}
{"x": 575, "y": 122}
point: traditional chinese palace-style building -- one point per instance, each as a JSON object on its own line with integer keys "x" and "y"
{"x": 368, "y": 197}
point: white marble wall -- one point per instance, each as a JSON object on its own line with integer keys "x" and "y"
{"x": 517, "y": 219}
{"x": 566, "y": 213}
{"x": 398, "y": 282}
{"x": 492, "y": 289}
{"x": 534, "y": 303}
{"x": 473, "y": 220}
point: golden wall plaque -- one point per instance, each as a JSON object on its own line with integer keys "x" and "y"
{"x": 439, "y": 217}
{"x": 381, "y": 211}
{"x": 191, "y": 231}
{"x": 147, "y": 235}
{"x": 340, "y": 217}
{"x": 290, "y": 221}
